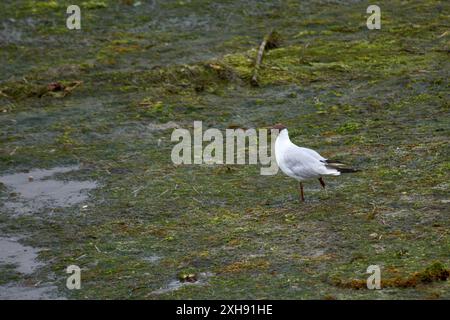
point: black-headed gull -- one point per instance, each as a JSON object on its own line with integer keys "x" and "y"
{"x": 302, "y": 163}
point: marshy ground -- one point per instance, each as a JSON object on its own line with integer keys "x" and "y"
{"x": 86, "y": 176}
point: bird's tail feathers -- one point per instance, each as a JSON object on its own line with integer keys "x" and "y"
{"x": 339, "y": 166}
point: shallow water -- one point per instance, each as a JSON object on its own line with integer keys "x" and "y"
{"x": 23, "y": 257}
{"x": 36, "y": 190}
{"x": 152, "y": 259}
{"x": 13, "y": 292}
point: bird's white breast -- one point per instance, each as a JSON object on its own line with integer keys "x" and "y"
{"x": 281, "y": 145}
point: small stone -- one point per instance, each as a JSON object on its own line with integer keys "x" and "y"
{"x": 187, "y": 277}
{"x": 373, "y": 235}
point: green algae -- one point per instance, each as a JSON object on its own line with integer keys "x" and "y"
{"x": 378, "y": 100}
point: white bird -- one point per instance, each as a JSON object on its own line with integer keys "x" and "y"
{"x": 304, "y": 164}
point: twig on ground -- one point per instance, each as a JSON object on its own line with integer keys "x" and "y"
{"x": 271, "y": 40}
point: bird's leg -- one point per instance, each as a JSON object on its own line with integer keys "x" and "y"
{"x": 302, "y": 196}
{"x": 322, "y": 183}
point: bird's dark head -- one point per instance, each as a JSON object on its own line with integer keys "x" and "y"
{"x": 279, "y": 127}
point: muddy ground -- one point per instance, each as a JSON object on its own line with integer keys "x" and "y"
{"x": 86, "y": 176}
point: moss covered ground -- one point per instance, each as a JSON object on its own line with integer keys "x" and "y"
{"x": 378, "y": 99}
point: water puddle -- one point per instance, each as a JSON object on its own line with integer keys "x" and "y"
{"x": 163, "y": 126}
{"x": 31, "y": 192}
{"x": 22, "y": 257}
{"x": 38, "y": 189}
{"x": 13, "y": 292}
{"x": 152, "y": 259}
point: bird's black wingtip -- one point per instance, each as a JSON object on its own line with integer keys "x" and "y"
{"x": 347, "y": 170}
{"x": 339, "y": 166}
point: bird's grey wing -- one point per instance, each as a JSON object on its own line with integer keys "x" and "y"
{"x": 304, "y": 163}
{"x": 326, "y": 166}
{"x": 312, "y": 153}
